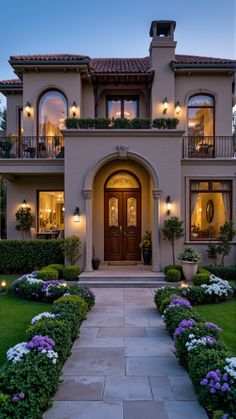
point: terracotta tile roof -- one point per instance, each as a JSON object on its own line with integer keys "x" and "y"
{"x": 120, "y": 65}
{"x": 11, "y": 82}
{"x": 196, "y": 59}
{"x": 47, "y": 57}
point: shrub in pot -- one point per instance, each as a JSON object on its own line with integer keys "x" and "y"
{"x": 189, "y": 259}
{"x": 146, "y": 246}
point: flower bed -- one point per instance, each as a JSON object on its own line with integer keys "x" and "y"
{"x": 33, "y": 288}
{"x": 198, "y": 347}
{"x": 30, "y": 376}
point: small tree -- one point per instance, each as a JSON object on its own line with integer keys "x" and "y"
{"x": 173, "y": 230}
{"x": 72, "y": 248}
{"x": 24, "y": 219}
{"x": 227, "y": 233}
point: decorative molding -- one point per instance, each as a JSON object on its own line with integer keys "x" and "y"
{"x": 88, "y": 193}
{"x": 109, "y": 133}
{"x": 156, "y": 193}
{"x": 123, "y": 151}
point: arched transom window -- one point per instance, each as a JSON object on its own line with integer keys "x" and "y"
{"x": 52, "y": 111}
{"x": 201, "y": 115}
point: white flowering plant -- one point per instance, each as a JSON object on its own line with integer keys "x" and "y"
{"x": 194, "y": 343}
{"x": 230, "y": 368}
{"x": 16, "y": 353}
{"x": 46, "y": 314}
{"x": 218, "y": 289}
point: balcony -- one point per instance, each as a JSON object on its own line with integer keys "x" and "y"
{"x": 201, "y": 147}
{"x": 43, "y": 147}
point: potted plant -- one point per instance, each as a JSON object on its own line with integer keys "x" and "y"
{"x": 189, "y": 259}
{"x": 24, "y": 220}
{"x": 146, "y": 246}
{"x": 95, "y": 261}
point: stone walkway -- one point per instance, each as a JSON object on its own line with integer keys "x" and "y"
{"x": 123, "y": 366}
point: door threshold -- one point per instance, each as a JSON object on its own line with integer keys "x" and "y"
{"x": 123, "y": 263}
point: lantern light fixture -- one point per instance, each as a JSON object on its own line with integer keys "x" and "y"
{"x": 76, "y": 215}
{"x": 24, "y": 204}
{"x": 177, "y": 108}
{"x": 3, "y": 286}
{"x": 27, "y": 108}
{"x": 168, "y": 204}
{"x": 165, "y": 105}
{"x": 73, "y": 108}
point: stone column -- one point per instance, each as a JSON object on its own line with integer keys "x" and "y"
{"x": 155, "y": 234}
{"x": 88, "y": 196}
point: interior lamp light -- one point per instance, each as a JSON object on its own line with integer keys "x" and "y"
{"x": 27, "y": 108}
{"x": 168, "y": 204}
{"x": 177, "y": 108}
{"x": 73, "y": 108}
{"x": 165, "y": 105}
{"x": 76, "y": 215}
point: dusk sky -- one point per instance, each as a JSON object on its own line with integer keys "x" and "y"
{"x": 113, "y": 29}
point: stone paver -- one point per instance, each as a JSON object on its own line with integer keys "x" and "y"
{"x": 123, "y": 366}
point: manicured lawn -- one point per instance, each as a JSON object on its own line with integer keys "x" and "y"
{"x": 15, "y": 315}
{"x": 224, "y": 315}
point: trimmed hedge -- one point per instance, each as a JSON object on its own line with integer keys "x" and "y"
{"x": 173, "y": 275}
{"x": 47, "y": 274}
{"x": 228, "y": 273}
{"x": 121, "y": 123}
{"x": 201, "y": 278}
{"x": 22, "y": 256}
{"x": 71, "y": 273}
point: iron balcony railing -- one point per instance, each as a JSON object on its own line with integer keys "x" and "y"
{"x": 41, "y": 147}
{"x": 201, "y": 147}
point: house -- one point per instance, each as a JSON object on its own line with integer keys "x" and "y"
{"x": 110, "y": 185}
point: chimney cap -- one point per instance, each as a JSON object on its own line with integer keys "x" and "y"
{"x": 163, "y": 27}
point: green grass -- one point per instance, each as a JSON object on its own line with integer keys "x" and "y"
{"x": 15, "y": 315}
{"x": 224, "y": 315}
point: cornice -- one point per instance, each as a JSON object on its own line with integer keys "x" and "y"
{"x": 122, "y": 133}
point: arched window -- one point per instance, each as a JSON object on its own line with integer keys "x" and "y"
{"x": 201, "y": 115}
{"x": 52, "y": 111}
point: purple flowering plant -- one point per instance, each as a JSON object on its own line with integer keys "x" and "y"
{"x": 183, "y": 325}
{"x": 41, "y": 343}
{"x": 178, "y": 302}
{"x": 216, "y": 382}
{"x": 18, "y": 396}
{"x": 213, "y": 326}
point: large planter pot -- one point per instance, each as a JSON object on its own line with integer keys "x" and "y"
{"x": 95, "y": 264}
{"x": 189, "y": 269}
{"x": 147, "y": 255}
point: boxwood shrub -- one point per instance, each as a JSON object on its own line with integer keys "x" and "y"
{"x": 168, "y": 267}
{"x": 71, "y": 273}
{"x": 201, "y": 278}
{"x": 47, "y": 274}
{"x": 175, "y": 315}
{"x": 29, "y": 255}
{"x": 228, "y": 273}
{"x": 58, "y": 267}
{"x": 73, "y": 309}
{"x": 173, "y": 275}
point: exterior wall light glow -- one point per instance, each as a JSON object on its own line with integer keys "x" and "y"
{"x": 168, "y": 204}
{"x": 73, "y": 108}
{"x": 76, "y": 215}
{"x": 165, "y": 105}
{"x": 3, "y": 286}
{"x": 27, "y": 108}
{"x": 177, "y": 108}
{"x": 24, "y": 204}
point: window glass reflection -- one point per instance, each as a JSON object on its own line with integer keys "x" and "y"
{"x": 122, "y": 107}
{"x": 200, "y": 122}
{"x": 51, "y": 211}
{"x": 52, "y": 111}
{"x": 130, "y": 109}
{"x": 114, "y": 108}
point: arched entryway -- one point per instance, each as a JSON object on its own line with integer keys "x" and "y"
{"x": 93, "y": 192}
{"x": 122, "y": 217}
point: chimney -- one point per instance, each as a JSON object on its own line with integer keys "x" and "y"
{"x": 162, "y": 52}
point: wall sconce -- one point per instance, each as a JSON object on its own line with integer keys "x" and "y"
{"x": 177, "y": 108}
{"x": 24, "y": 204}
{"x": 3, "y": 286}
{"x": 73, "y": 108}
{"x": 168, "y": 204}
{"x": 76, "y": 215}
{"x": 165, "y": 105}
{"x": 27, "y": 108}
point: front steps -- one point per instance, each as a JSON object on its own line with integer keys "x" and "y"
{"x": 122, "y": 276}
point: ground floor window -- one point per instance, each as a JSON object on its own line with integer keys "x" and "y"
{"x": 210, "y": 207}
{"x": 50, "y": 210}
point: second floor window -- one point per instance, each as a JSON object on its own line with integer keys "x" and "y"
{"x": 122, "y": 107}
{"x": 201, "y": 116}
{"x": 52, "y": 111}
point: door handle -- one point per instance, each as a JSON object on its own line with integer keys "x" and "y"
{"x": 120, "y": 229}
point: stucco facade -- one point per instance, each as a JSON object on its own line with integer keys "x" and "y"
{"x": 163, "y": 160}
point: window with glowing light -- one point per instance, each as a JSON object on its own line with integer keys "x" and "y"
{"x": 210, "y": 207}
{"x": 201, "y": 116}
{"x": 52, "y": 111}
{"x": 122, "y": 107}
{"x": 50, "y": 210}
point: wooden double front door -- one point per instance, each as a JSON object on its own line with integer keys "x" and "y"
{"x": 122, "y": 225}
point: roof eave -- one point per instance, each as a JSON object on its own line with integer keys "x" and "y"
{"x": 227, "y": 66}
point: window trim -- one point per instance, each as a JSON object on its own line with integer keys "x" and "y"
{"x": 202, "y": 107}
{"x": 122, "y": 98}
{"x": 230, "y": 192}
{"x": 51, "y": 89}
